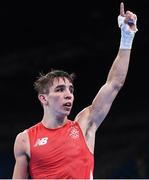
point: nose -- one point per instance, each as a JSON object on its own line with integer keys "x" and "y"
{"x": 68, "y": 95}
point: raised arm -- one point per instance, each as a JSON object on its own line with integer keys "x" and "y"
{"x": 20, "y": 152}
{"x": 95, "y": 114}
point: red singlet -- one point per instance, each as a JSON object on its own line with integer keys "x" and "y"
{"x": 59, "y": 153}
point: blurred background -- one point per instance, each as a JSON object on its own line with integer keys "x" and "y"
{"x": 81, "y": 38}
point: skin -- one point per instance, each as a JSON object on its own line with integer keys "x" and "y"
{"x": 89, "y": 119}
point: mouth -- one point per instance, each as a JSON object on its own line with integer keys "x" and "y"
{"x": 67, "y": 106}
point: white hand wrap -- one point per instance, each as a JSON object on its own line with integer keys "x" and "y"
{"x": 127, "y": 34}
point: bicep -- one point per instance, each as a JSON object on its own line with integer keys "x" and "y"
{"x": 21, "y": 167}
{"x": 93, "y": 115}
{"x": 21, "y": 164}
{"x": 102, "y": 103}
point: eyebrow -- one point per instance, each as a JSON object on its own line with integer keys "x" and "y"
{"x": 62, "y": 86}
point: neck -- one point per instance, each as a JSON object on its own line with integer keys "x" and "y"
{"x": 53, "y": 122}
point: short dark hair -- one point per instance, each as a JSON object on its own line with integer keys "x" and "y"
{"x": 44, "y": 81}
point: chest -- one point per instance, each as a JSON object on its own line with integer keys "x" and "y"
{"x": 59, "y": 145}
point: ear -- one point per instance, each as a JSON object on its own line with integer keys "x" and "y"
{"x": 43, "y": 99}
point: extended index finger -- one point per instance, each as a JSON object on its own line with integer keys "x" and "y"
{"x": 122, "y": 11}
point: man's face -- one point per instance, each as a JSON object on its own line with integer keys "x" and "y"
{"x": 60, "y": 97}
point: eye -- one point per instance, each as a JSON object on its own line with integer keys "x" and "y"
{"x": 71, "y": 90}
{"x": 60, "y": 90}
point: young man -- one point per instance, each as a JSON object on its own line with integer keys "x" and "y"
{"x": 57, "y": 148}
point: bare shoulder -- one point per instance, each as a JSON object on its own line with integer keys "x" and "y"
{"x": 21, "y": 144}
{"x": 87, "y": 126}
{"x": 21, "y": 156}
{"x": 82, "y": 115}
{"x": 22, "y": 137}
{"x": 83, "y": 119}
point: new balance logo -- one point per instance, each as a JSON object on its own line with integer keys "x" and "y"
{"x": 41, "y": 141}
